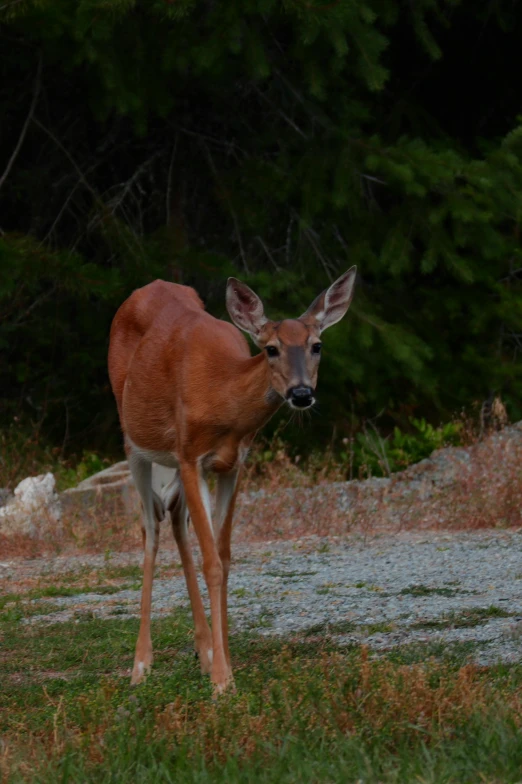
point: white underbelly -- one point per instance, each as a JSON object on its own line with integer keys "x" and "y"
{"x": 166, "y": 459}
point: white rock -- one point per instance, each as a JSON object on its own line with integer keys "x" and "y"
{"x": 35, "y": 506}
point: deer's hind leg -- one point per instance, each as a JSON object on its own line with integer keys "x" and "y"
{"x": 174, "y": 498}
{"x": 153, "y": 513}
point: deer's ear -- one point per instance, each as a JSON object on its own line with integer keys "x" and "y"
{"x": 245, "y": 308}
{"x": 330, "y": 306}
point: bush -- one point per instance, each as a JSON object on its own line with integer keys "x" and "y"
{"x": 374, "y": 455}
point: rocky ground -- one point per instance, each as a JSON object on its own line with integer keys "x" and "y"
{"x": 383, "y": 591}
{"x": 432, "y": 555}
{"x": 457, "y": 488}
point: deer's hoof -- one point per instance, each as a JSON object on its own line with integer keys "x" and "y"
{"x": 227, "y": 686}
{"x": 139, "y": 672}
{"x": 205, "y": 659}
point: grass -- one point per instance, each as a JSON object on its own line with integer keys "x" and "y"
{"x": 289, "y": 575}
{"x": 104, "y": 580}
{"x": 332, "y": 630}
{"x": 304, "y": 711}
{"x": 474, "y": 616}
{"x": 25, "y": 452}
{"x": 425, "y": 590}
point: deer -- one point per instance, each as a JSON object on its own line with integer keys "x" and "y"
{"x": 191, "y": 397}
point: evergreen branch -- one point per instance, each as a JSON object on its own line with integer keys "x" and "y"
{"x": 288, "y": 243}
{"x": 268, "y": 253}
{"x": 18, "y": 145}
{"x": 117, "y": 201}
{"x": 66, "y": 202}
{"x": 97, "y": 200}
{"x": 35, "y": 304}
{"x": 169, "y": 181}
{"x": 230, "y": 206}
{"x": 10, "y": 5}
{"x": 282, "y": 114}
{"x": 67, "y": 155}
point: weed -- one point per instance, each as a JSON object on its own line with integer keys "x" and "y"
{"x": 425, "y": 590}
{"x": 378, "y": 628}
{"x": 330, "y": 629}
{"x": 240, "y": 592}
{"x": 324, "y": 591}
{"x": 265, "y": 619}
{"x": 373, "y": 455}
{"x": 25, "y": 453}
{"x": 474, "y": 616}
{"x": 289, "y": 575}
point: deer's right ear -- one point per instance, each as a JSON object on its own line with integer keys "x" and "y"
{"x": 245, "y": 308}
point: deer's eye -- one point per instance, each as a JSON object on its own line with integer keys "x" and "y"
{"x": 272, "y": 351}
{"x": 316, "y": 348}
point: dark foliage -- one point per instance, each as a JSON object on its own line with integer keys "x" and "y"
{"x": 281, "y": 142}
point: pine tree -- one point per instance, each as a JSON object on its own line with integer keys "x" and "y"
{"x": 282, "y": 142}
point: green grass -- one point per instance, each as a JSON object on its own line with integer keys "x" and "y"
{"x": 369, "y": 587}
{"x": 304, "y": 711}
{"x": 473, "y": 616}
{"x": 64, "y": 590}
{"x": 27, "y": 604}
{"x": 425, "y": 590}
{"x": 454, "y": 654}
{"x": 289, "y": 575}
{"x": 73, "y": 584}
{"x": 19, "y": 611}
{"x": 128, "y": 572}
{"x": 330, "y": 629}
{"x": 240, "y": 592}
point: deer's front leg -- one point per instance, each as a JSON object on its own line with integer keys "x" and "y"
{"x": 202, "y": 634}
{"x": 199, "y": 509}
{"x": 227, "y": 486}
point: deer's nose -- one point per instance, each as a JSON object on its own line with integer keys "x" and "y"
{"x": 301, "y": 397}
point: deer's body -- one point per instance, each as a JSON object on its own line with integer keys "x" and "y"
{"x": 191, "y": 397}
{"x": 166, "y": 362}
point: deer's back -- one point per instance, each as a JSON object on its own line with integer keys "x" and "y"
{"x": 148, "y": 309}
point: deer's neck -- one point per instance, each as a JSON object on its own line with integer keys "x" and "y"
{"x": 254, "y": 398}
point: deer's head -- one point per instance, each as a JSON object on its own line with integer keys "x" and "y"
{"x": 293, "y": 346}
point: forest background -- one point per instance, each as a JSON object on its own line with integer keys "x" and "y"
{"x": 281, "y": 142}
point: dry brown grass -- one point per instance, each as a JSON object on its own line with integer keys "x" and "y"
{"x": 95, "y": 530}
{"x": 486, "y": 494}
{"x": 325, "y": 697}
{"x": 370, "y": 699}
{"x": 282, "y": 499}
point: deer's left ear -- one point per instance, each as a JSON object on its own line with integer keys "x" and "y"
{"x": 245, "y": 308}
{"x": 330, "y": 306}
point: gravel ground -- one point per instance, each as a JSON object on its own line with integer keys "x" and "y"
{"x": 383, "y": 591}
